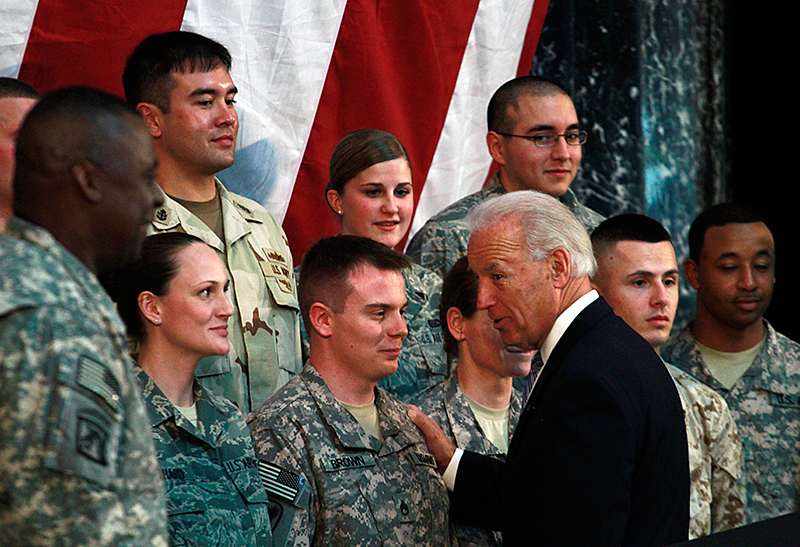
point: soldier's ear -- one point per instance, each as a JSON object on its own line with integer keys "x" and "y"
{"x": 87, "y": 176}
{"x": 455, "y": 323}
{"x": 692, "y": 274}
{"x": 321, "y": 318}
{"x": 496, "y": 146}
{"x": 150, "y": 307}
{"x": 152, "y": 118}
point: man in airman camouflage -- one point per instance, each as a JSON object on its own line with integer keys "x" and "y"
{"x": 731, "y": 348}
{"x": 535, "y": 138}
{"x": 339, "y": 454}
{"x": 181, "y": 84}
{"x": 77, "y": 459}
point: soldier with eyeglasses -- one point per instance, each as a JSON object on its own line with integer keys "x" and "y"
{"x": 535, "y": 138}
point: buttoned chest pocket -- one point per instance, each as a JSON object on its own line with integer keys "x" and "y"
{"x": 186, "y": 509}
{"x": 279, "y": 277}
{"x": 85, "y": 432}
{"x": 354, "y": 497}
{"x": 251, "y": 489}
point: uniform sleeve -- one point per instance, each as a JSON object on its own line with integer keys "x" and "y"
{"x": 728, "y": 490}
{"x": 289, "y": 484}
{"x": 64, "y": 421}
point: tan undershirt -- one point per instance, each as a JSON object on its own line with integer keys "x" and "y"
{"x": 728, "y": 367}
{"x": 367, "y": 416}
{"x": 493, "y": 421}
{"x": 190, "y": 413}
{"x": 210, "y": 212}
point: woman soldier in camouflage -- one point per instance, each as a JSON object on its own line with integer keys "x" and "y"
{"x": 371, "y": 192}
{"x": 175, "y": 305}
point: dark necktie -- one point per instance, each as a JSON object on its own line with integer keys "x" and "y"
{"x": 536, "y": 367}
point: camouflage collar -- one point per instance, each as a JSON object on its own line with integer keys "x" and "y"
{"x": 236, "y": 215}
{"x": 160, "y": 409}
{"x": 345, "y": 427}
{"x": 23, "y": 231}
{"x": 461, "y": 419}
{"x": 494, "y": 187}
{"x": 767, "y": 371}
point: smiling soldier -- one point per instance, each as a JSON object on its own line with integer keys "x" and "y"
{"x": 339, "y": 454}
{"x": 181, "y": 84}
{"x": 536, "y": 139}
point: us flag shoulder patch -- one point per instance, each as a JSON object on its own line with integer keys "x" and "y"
{"x": 280, "y": 482}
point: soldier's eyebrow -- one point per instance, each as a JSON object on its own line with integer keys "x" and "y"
{"x": 642, "y": 273}
{"x": 377, "y": 306}
{"x": 547, "y": 127}
{"x": 212, "y": 91}
{"x": 385, "y": 306}
{"x": 648, "y": 273}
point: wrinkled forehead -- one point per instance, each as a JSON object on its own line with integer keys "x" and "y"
{"x": 495, "y": 244}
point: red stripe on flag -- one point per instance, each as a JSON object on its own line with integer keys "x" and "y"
{"x": 87, "y": 43}
{"x": 532, "y": 36}
{"x": 394, "y": 67}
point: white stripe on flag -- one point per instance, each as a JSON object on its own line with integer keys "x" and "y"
{"x": 279, "y": 482}
{"x": 16, "y": 20}
{"x": 281, "y": 51}
{"x": 461, "y": 161}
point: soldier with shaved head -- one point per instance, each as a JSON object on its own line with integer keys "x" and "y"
{"x": 79, "y": 467}
{"x": 537, "y": 141}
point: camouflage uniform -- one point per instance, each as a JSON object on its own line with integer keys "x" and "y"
{"x": 423, "y": 362}
{"x": 444, "y": 238}
{"x": 78, "y": 464}
{"x": 362, "y": 492}
{"x": 265, "y": 327}
{"x": 717, "y": 494}
{"x": 449, "y": 408}
{"x": 215, "y": 496}
{"x": 765, "y": 404}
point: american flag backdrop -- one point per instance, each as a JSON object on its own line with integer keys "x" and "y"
{"x": 308, "y": 72}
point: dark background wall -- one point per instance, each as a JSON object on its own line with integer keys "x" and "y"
{"x": 763, "y": 58}
{"x": 685, "y": 104}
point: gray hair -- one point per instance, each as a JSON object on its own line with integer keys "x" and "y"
{"x": 545, "y": 223}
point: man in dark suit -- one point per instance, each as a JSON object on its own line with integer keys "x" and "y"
{"x": 599, "y": 454}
